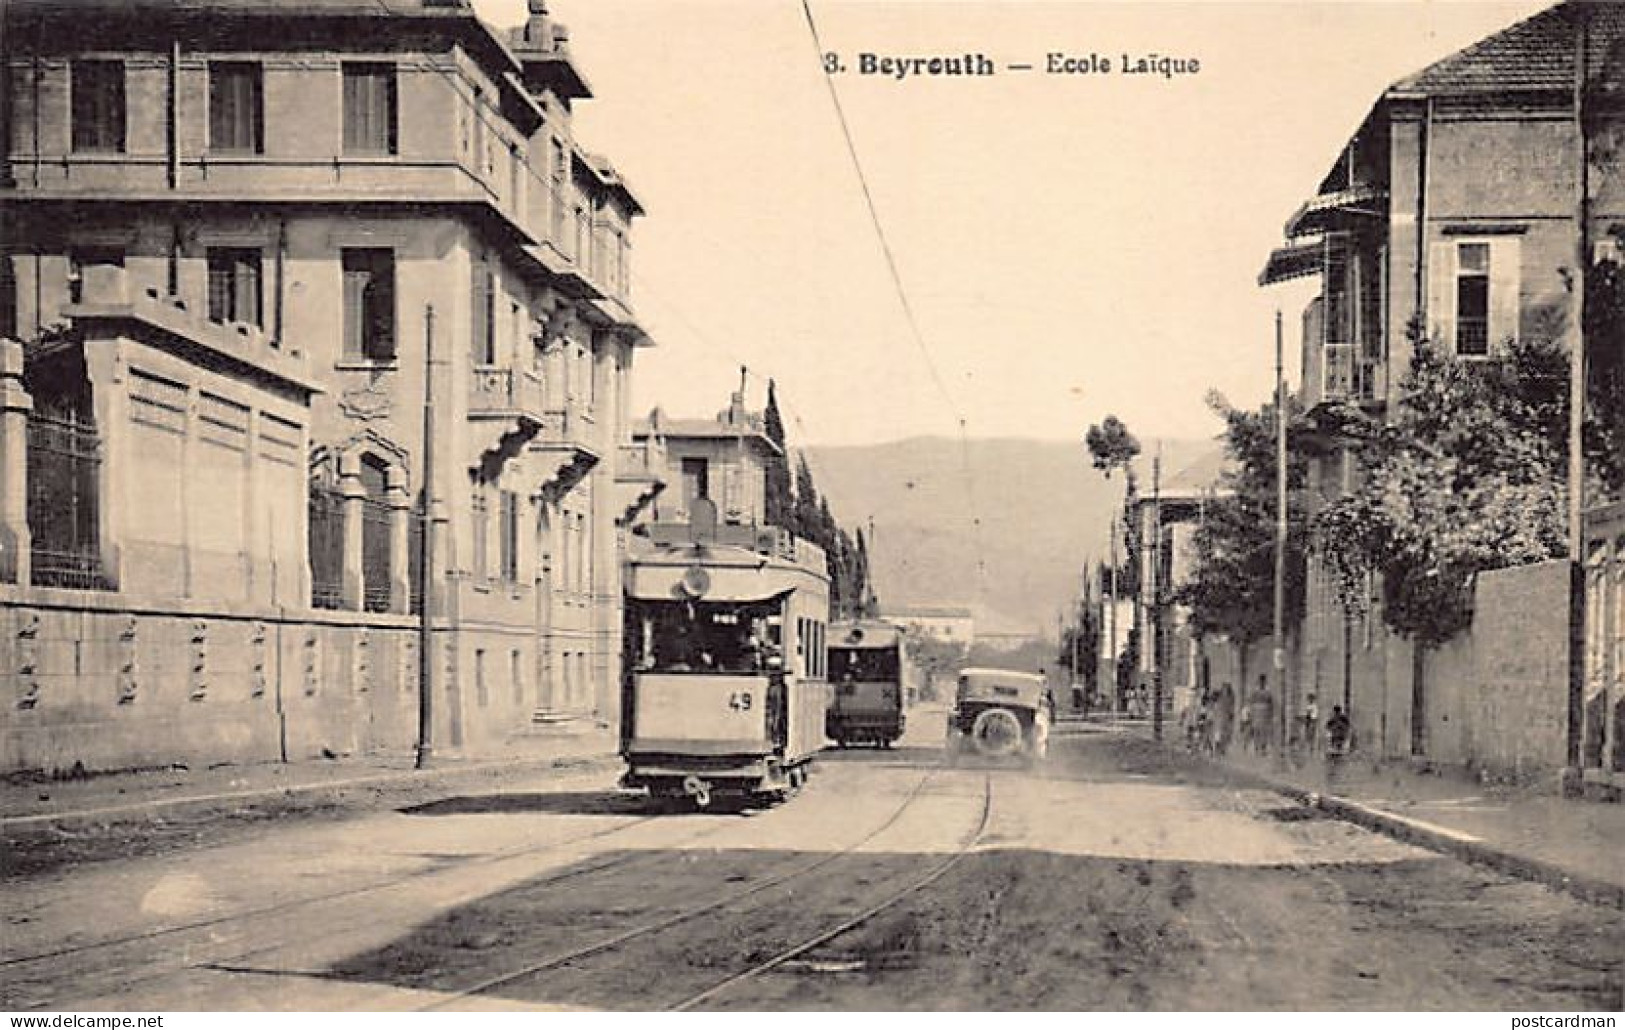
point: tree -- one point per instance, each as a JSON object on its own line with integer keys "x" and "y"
{"x": 1467, "y": 476}
{"x": 804, "y": 509}
{"x": 1112, "y": 446}
{"x": 869, "y": 603}
{"x": 1080, "y": 645}
{"x": 935, "y": 658}
{"x": 1231, "y": 590}
{"x": 777, "y": 479}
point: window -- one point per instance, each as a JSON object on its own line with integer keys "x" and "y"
{"x": 483, "y": 313}
{"x": 1474, "y": 292}
{"x": 8, "y": 297}
{"x": 509, "y": 542}
{"x": 369, "y": 304}
{"x": 98, "y": 106}
{"x": 1473, "y": 299}
{"x": 583, "y": 555}
{"x": 236, "y": 108}
{"x": 482, "y": 529}
{"x": 369, "y": 109}
{"x": 477, "y": 106}
{"x": 234, "y": 285}
{"x": 559, "y": 166}
{"x": 696, "y": 482}
{"x": 377, "y": 531}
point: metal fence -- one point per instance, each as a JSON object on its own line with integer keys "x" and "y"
{"x": 375, "y": 545}
{"x": 326, "y": 547}
{"x": 64, "y": 506}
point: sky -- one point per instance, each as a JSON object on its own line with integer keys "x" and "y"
{"x": 1070, "y": 245}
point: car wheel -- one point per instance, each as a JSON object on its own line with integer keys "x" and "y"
{"x": 997, "y": 733}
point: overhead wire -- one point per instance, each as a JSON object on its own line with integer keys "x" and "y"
{"x": 902, "y": 297}
{"x": 518, "y": 154}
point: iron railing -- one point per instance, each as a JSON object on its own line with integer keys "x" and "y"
{"x": 376, "y": 520}
{"x": 64, "y": 504}
{"x": 326, "y": 547}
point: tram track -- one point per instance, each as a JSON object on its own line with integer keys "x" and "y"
{"x": 179, "y": 936}
{"x": 936, "y": 873}
{"x": 799, "y": 871}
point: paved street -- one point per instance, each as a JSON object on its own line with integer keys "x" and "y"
{"x": 1119, "y": 876}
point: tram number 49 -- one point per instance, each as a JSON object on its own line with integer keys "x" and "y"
{"x": 739, "y": 702}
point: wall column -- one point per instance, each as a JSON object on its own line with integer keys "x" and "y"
{"x": 352, "y": 580}
{"x": 15, "y": 404}
{"x": 400, "y": 540}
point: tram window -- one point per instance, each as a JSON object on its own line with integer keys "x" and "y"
{"x": 863, "y": 664}
{"x": 681, "y": 637}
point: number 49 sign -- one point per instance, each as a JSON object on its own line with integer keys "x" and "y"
{"x": 739, "y": 701}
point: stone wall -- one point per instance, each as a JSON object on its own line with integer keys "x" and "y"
{"x": 103, "y": 682}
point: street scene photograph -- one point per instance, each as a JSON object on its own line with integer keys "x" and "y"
{"x": 804, "y": 506}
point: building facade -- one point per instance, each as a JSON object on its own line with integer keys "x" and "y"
{"x": 948, "y": 624}
{"x": 1462, "y": 208}
{"x": 294, "y": 284}
{"x": 723, "y": 460}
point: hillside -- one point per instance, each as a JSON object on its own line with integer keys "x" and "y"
{"x": 1044, "y": 510}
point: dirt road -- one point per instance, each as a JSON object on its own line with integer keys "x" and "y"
{"x": 1115, "y": 877}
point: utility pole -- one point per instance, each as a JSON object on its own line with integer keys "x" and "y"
{"x": 1577, "y": 400}
{"x": 1279, "y": 649}
{"x": 426, "y": 588}
{"x": 1111, "y": 620}
{"x": 1154, "y": 622}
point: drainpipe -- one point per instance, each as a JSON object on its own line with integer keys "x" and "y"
{"x": 280, "y": 297}
{"x": 175, "y": 113}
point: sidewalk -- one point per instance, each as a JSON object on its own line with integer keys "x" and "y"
{"x": 28, "y": 803}
{"x": 1570, "y": 845}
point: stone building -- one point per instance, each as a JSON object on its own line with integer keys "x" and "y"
{"x": 1468, "y": 199}
{"x": 947, "y": 623}
{"x": 254, "y": 251}
{"x": 723, "y": 460}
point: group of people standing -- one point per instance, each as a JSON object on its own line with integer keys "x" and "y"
{"x": 1220, "y": 717}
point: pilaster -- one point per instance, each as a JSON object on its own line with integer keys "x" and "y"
{"x": 350, "y": 488}
{"x": 400, "y": 539}
{"x": 15, "y": 405}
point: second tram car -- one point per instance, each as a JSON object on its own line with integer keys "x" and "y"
{"x": 866, "y": 672}
{"x": 724, "y": 688}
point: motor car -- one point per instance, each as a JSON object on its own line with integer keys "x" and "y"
{"x": 1000, "y": 715}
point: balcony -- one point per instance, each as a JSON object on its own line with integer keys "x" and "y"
{"x": 1346, "y": 376}
{"x": 505, "y": 393}
{"x": 639, "y": 477}
{"x": 564, "y": 447}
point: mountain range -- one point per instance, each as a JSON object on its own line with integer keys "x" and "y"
{"x": 1003, "y": 527}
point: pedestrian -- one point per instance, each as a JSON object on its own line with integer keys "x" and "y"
{"x": 1263, "y": 716}
{"x": 1337, "y": 742}
{"x": 1311, "y": 724}
{"x": 1337, "y": 732}
{"x": 1223, "y": 713}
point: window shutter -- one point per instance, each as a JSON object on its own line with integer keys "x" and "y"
{"x": 480, "y": 313}
{"x": 355, "y": 311}
{"x": 1506, "y": 304}
{"x": 1441, "y": 320}
{"x": 247, "y": 282}
{"x": 355, "y": 111}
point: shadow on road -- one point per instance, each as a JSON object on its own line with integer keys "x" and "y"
{"x": 581, "y": 802}
{"x": 1012, "y": 928}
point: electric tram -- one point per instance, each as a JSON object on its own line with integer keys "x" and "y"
{"x": 724, "y": 690}
{"x": 866, "y": 673}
